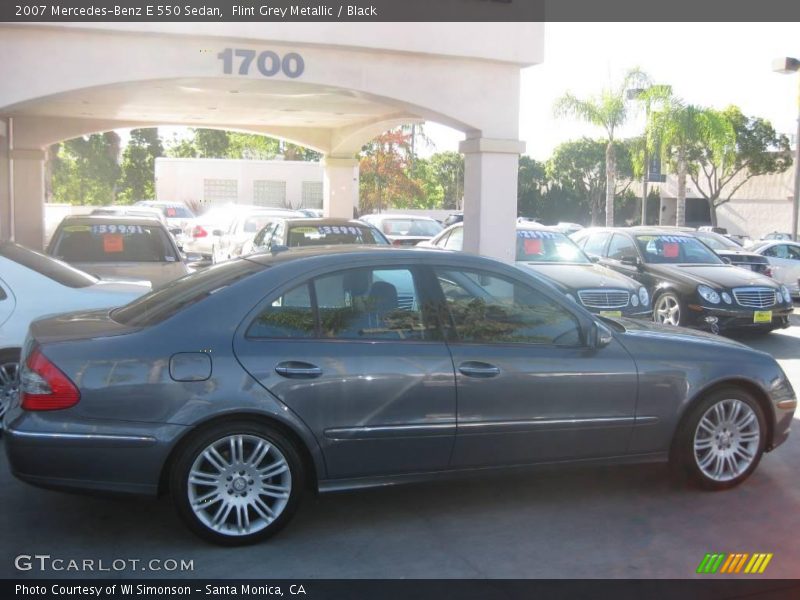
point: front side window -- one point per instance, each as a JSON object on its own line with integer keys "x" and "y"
{"x": 487, "y": 308}
{"x": 596, "y": 243}
{"x": 621, "y": 247}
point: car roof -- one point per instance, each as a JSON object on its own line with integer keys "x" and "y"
{"x": 128, "y": 219}
{"x": 398, "y": 216}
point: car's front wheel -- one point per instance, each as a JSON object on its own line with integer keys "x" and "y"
{"x": 668, "y": 309}
{"x": 722, "y": 439}
{"x": 9, "y": 379}
{"x": 237, "y": 483}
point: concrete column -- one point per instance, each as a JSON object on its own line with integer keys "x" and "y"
{"x": 340, "y": 187}
{"x": 490, "y": 196}
{"x": 28, "y": 171}
{"x": 5, "y": 189}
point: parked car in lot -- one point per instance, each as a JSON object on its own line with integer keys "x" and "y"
{"x": 242, "y": 229}
{"x": 726, "y": 248}
{"x": 690, "y": 285}
{"x": 177, "y": 215}
{"x": 784, "y": 261}
{"x": 175, "y": 230}
{"x": 33, "y": 285}
{"x": 551, "y": 253}
{"x": 307, "y": 373}
{"x": 119, "y": 247}
{"x": 404, "y": 230}
{"x": 293, "y": 233}
{"x": 203, "y": 233}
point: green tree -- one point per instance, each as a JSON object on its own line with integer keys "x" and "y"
{"x": 139, "y": 164}
{"x": 531, "y": 188}
{"x": 448, "y": 170}
{"x": 750, "y": 147}
{"x": 249, "y": 146}
{"x": 84, "y": 170}
{"x": 211, "y": 143}
{"x": 384, "y": 173}
{"x": 609, "y": 110}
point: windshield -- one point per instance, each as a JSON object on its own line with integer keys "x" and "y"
{"x": 411, "y": 227}
{"x": 113, "y": 241}
{"x": 323, "y": 235}
{"x": 717, "y": 242}
{"x": 675, "y": 249}
{"x": 156, "y": 306}
{"x": 48, "y": 267}
{"x": 547, "y": 246}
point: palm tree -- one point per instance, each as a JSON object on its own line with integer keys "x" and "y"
{"x": 675, "y": 132}
{"x": 609, "y": 110}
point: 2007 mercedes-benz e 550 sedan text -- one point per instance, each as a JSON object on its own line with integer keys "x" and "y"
{"x": 341, "y": 369}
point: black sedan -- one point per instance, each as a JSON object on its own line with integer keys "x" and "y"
{"x": 726, "y": 248}
{"x": 689, "y": 283}
{"x": 551, "y": 253}
{"x": 238, "y": 388}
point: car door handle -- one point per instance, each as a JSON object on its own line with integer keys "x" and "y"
{"x": 298, "y": 370}
{"x": 478, "y": 369}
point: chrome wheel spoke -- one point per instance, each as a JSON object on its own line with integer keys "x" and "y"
{"x": 726, "y": 440}
{"x": 231, "y": 493}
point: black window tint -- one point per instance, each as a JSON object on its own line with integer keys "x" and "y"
{"x": 113, "y": 241}
{"x": 596, "y": 243}
{"x": 621, "y": 247}
{"x": 48, "y": 267}
{"x": 364, "y": 304}
{"x": 487, "y": 308}
{"x": 289, "y": 316}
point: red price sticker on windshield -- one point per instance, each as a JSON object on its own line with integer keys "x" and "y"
{"x": 113, "y": 243}
{"x": 533, "y": 246}
{"x": 671, "y": 250}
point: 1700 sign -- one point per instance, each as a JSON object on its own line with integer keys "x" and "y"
{"x": 267, "y": 62}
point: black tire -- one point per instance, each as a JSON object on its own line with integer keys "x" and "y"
{"x": 191, "y": 451}
{"x": 686, "y": 460}
{"x": 678, "y": 302}
{"x": 8, "y": 359}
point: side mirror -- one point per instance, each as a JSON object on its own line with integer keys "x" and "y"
{"x": 726, "y": 260}
{"x": 594, "y": 258}
{"x": 192, "y": 257}
{"x": 217, "y": 232}
{"x": 631, "y": 261}
{"x": 599, "y": 336}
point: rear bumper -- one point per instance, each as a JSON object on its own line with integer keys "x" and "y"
{"x": 90, "y": 457}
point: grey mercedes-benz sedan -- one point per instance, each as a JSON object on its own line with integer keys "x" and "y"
{"x": 240, "y": 387}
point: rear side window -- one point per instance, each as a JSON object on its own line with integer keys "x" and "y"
{"x": 355, "y": 304}
{"x": 48, "y": 267}
{"x": 177, "y": 295}
{"x": 113, "y": 242}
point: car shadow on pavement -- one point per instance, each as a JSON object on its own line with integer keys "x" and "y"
{"x": 777, "y": 343}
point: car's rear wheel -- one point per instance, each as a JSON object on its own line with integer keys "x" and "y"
{"x": 668, "y": 309}
{"x": 722, "y": 439}
{"x": 237, "y": 483}
{"x": 9, "y": 380}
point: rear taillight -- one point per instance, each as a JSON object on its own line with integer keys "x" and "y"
{"x": 199, "y": 232}
{"x": 44, "y": 387}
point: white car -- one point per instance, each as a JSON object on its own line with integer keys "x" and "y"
{"x": 404, "y": 230}
{"x": 33, "y": 285}
{"x": 784, "y": 262}
{"x": 204, "y": 234}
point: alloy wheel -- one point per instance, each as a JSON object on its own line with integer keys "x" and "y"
{"x": 9, "y": 386}
{"x": 239, "y": 485}
{"x": 668, "y": 310}
{"x": 726, "y": 440}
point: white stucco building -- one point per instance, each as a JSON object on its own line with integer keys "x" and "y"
{"x": 202, "y": 182}
{"x": 328, "y": 86}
